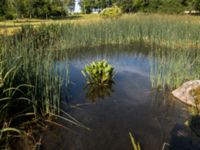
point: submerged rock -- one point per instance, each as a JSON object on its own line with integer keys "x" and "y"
{"x": 185, "y": 93}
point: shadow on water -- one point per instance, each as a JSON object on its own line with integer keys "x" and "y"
{"x": 183, "y": 138}
{"x": 95, "y": 92}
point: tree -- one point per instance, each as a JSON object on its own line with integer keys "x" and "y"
{"x": 88, "y": 5}
{"x": 47, "y": 8}
{"x": 57, "y": 8}
{"x": 9, "y": 9}
{"x": 196, "y": 4}
{"x": 23, "y": 7}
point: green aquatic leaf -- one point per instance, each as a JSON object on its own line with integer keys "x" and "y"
{"x": 98, "y": 72}
{"x": 83, "y": 73}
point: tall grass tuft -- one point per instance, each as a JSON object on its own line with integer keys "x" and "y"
{"x": 172, "y": 67}
{"x": 30, "y": 80}
{"x": 174, "y": 31}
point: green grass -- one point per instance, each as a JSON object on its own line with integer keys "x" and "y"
{"x": 153, "y": 29}
{"x": 170, "y": 68}
{"x": 92, "y": 30}
{"x": 10, "y": 27}
{"x": 31, "y": 82}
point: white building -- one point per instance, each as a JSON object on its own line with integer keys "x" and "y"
{"x": 76, "y": 8}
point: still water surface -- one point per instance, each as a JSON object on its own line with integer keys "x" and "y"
{"x": 128, "y": 105}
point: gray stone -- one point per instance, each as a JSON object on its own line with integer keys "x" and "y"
{"x": 183, "y": 93}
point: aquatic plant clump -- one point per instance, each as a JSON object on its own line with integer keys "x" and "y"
{"x": 98, "y": 72}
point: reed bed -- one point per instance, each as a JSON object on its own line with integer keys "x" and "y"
{"x": 170, "y": 68}
{"x": 31, "y": 82}
{"x": 177, "y": 31}
{"x": 172, "y": 31}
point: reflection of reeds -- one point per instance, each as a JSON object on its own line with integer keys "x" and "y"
{"x": 172, "y": 67}
{"x": 95, "y": 92}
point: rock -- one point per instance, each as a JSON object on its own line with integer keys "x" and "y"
{"x": 183, "y": 93}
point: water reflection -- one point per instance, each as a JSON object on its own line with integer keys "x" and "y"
{"x": 129, "y": 105}
{"x": 182, "y": 139}
{"x": 95, "y": 92}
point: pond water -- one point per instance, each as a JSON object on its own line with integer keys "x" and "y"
{"x": 130, "y": 104}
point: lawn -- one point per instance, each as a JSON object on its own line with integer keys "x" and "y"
{"x": 11, "y": 26}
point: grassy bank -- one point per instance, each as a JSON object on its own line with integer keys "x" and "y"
{"x": 10, "y": 27}
{"x": 179, "y": 31}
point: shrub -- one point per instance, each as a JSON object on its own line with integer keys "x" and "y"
{"x": 57, "y": 12}
{"x": 196, "y": 4}
{"x": 10, "y": 15}
{"x": 112, "y": 12}
{"x": 99, "y": 72}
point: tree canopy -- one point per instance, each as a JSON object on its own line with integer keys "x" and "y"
{"x": 169, "y": 6}
{"x": 11, "y": 9}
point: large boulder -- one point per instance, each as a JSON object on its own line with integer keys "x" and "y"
{"x": 184, "y": 93}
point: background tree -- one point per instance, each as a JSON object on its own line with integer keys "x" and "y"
{"x": 11, "y": 9}
{"x": 196, "y": 4}
{"x": 8, "y": 9}
{"x": 23, "y": 8}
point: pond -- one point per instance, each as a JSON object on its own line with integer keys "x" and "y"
{"x": 130, "y": 104}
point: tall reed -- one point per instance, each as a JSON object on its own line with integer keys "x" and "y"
{"x": 31, "y": 81}
{"x": 171, "y": 31}
{"x": 176, "y": 31}
{"x": 170, "y": 68}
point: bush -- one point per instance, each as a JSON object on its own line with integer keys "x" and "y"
{"x": 196, "y": 4}
{"x": 58, "y": 12}
{"x": 10, "y": 15}
{"x": 112, "y": 12}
